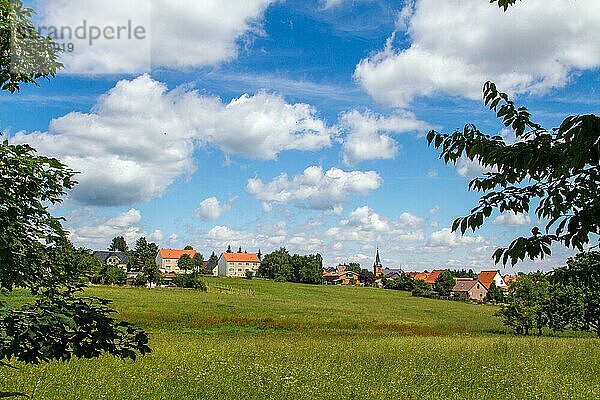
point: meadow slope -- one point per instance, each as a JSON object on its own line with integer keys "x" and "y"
{"x": 260, "y": 339}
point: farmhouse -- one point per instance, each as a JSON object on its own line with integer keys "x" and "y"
{"x": 470, "y": 289}
{"x": 390, "y": 273}
{"x": 166, "y": 259}
{"x": 487, "y": 277}
{"x": 112, "y": 258}
{"x": 338, "y": 277}
{"x": 237, "y": 264}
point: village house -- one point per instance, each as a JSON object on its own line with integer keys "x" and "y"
{"x": 390, "y": 273}
{"x": 112, "y": 258}
{"x": 341, "y": 277}
{"x": 487, "y": 277}
{"x": 469, "y": 289}
{"x": 429, "y": 278}
{"x": 166, "y": 259}
{"x": 237, "y": 264}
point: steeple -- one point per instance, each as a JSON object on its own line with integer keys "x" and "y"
{"x": 377, "y": 266}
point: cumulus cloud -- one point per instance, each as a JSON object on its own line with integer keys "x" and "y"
{"x": 368, "y": 138}
{"x": 315, "y": 188}
{"x": 529, "y": 49}
{"x": 446, "y": 239}
{"x": 140, "y": 137}
{"x": 512, "y": 219}
{"x": 97, "y": 233}
{"x": 211, "y": 208}
{"x": 181, "y": 34}
{"x": 364, "y": 225}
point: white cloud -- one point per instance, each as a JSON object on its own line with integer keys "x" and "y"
{"x": 468, "y": 168}
{"x": 529, "y": 49}
{"x": 446, "y": 239}
{"x": 315, "y": 188}
{"x": 211, "y": 208}
{"x": 365, "y": 140}
{"x": 180, "y": 34}
{"x": 365, "y": 226}
{"x": 140, "y": 137}
{"x": 512, "y": 219}
{"x": 98, "y": 233}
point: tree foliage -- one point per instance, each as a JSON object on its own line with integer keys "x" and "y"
{"x": 34, "y": 250}
{"x": 118, "y": 244}
{"x": 25, "y": 56}
{"x": 444, "y": 283}
{"x": 556, "y": 171}
{"x": 282, "y": 266}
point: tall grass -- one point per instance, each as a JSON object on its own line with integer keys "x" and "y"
{"x": 265, "y": 340}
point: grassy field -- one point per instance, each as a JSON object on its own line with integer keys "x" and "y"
{"x": 265, "y": 340}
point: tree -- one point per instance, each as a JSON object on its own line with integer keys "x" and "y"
{"x": 185, "y": 263}
{"x": 404, "y": 282}
{"x": 25, "y": 56}
{"x": 354, "y": 267}
{"x": 276, "y": 265}
{"x": 143, "y": 252}
{"x": 197, "y": 261}
{"x": 152, "y": 273}
{"x": 580, "y": 278}
{"x": 444, "y": 283}
{"x": 366, "y": 277}
{"x": 527, "y": 303}
{"x": 420, "y": 288}
{"x": 214, "y": 258}
{"x": 118, "y": 244}
{"x": 494, "y": 294}
{"x": 557, "y": 170}
{"x": 188, "y": 247}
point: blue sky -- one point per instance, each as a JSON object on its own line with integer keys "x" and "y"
{"x": 298, "y": 123}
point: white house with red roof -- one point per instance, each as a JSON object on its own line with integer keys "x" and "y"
{"x": 166, "y": 259}
{"x": 237, "y": 264}
{"x": 487, "y": 277}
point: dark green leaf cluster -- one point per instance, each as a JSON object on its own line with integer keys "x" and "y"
{"x": 444, "y": 283}
{"x": 281, "y": 266}
{"x": 504, "y": 3}
{"x": 59, "y": 326}
{"x": 405, "y": 282}
{"x": 25, "y": 56}
{"x": 31, "y": 240}
{"x": 559, "y": 169}
{"x": 567, "y": 298}
{"x": 190, "y": 281}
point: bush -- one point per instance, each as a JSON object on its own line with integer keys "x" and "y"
{"x": 249, "y": 275}
{"x": 420, "y": 288}
{"x": 140, "y": 280}
{"x": 190, "y": 281}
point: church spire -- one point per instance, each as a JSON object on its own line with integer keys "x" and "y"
{"x": 377, "y": 266}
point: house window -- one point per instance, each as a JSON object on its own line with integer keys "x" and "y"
{"x": 349, "y": 276}
{"x": 231, "y": 270}
{"x": 247, "y": 263}
{"x": 239, "y": 270}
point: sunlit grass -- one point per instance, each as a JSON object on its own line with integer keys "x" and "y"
{"x": 266, "y": 340}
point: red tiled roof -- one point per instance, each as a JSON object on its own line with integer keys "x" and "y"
{"x": 420, "y": 276}
{"x": 433, "y": 276}
{"x": 487, "y": 277}
{"x": 176, "y": 254}
{"x": 241, "y": 257}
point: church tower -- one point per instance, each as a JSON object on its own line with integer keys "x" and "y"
{"x": 377, "y": 267}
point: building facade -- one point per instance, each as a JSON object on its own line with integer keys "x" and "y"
{"x": 167, "y": 259}
{"x": 112, "y": 258}
{"x": 237, "y": 264}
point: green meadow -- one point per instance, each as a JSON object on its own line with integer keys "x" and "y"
{"x": 255, "y": 339}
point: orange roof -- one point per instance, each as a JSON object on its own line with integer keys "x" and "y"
{"x": 420, "y": 276}
{"x": 170, "y": 253}
{"x": 487, "y": 277}
{"x": 433, "y": 276}
{"x": 241, "y": 257}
